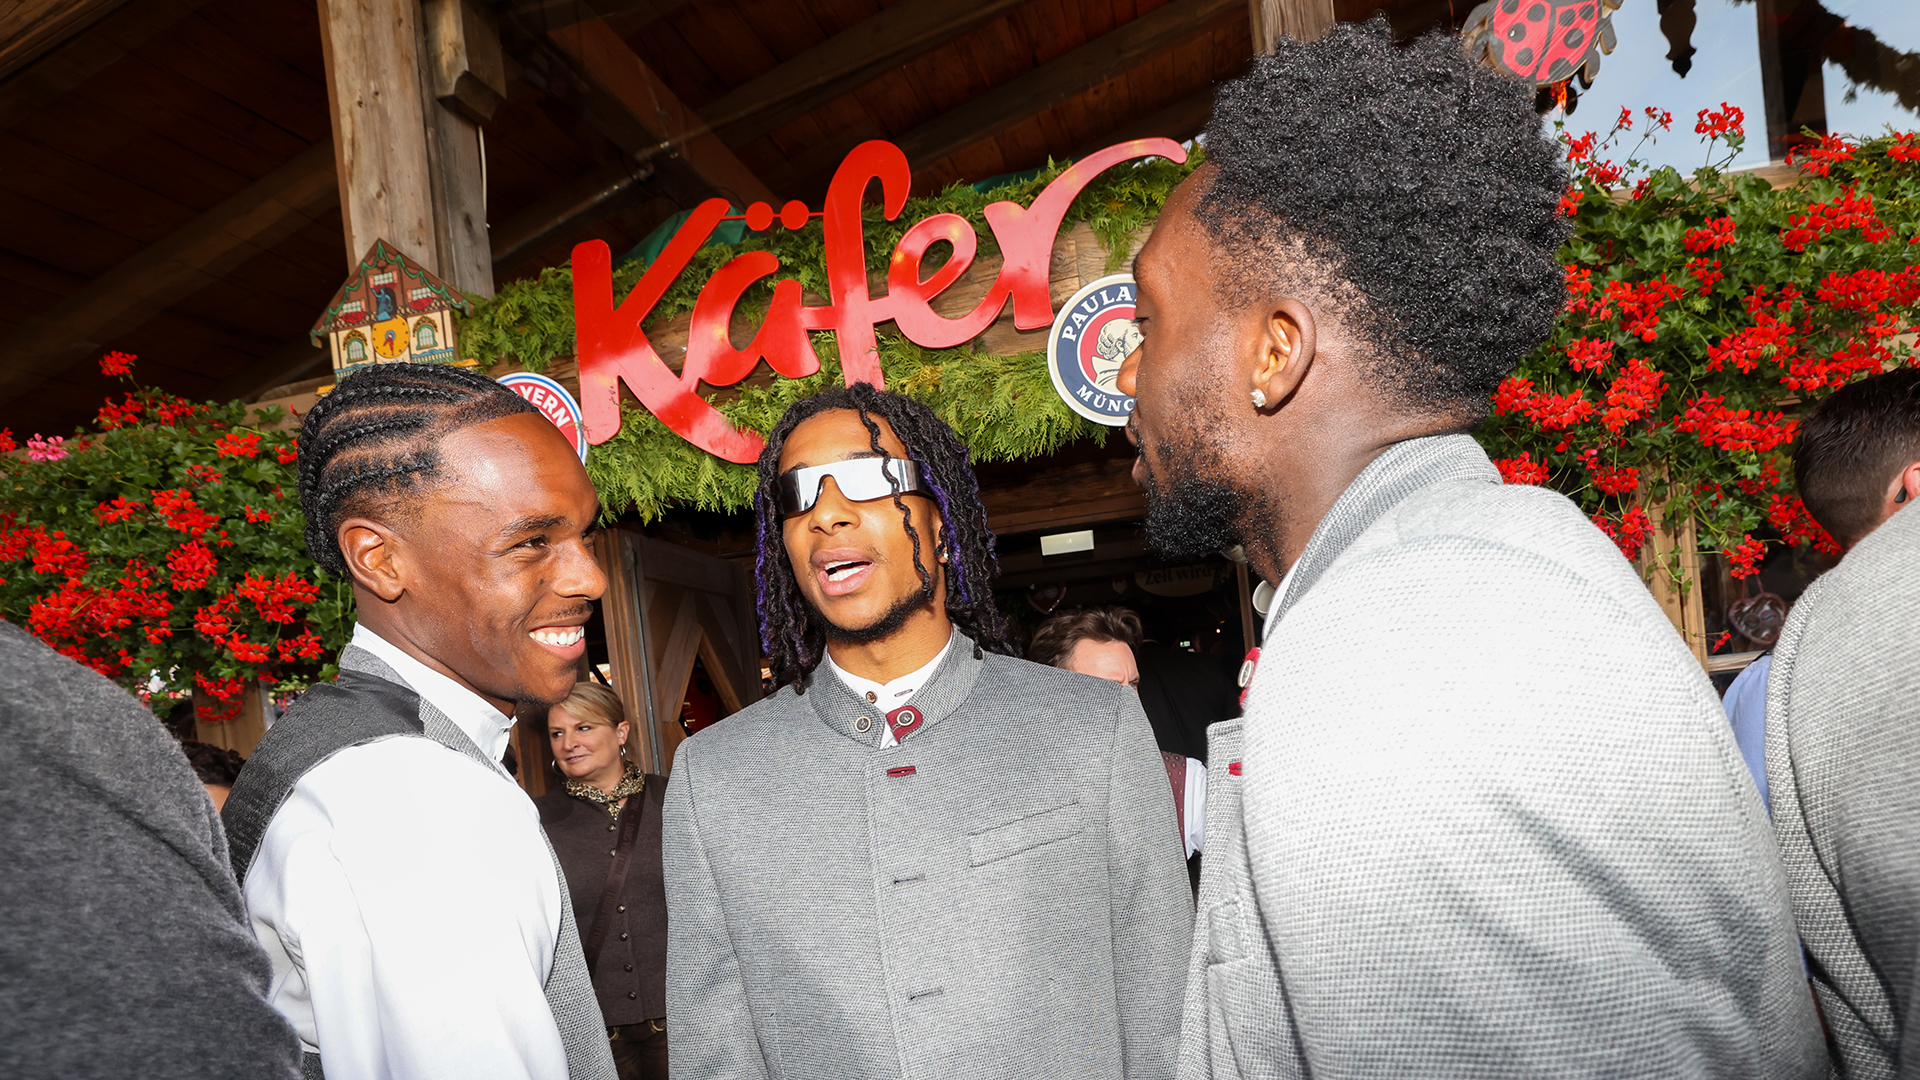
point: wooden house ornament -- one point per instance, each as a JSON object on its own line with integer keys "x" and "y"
{"x": 390, "y": 310}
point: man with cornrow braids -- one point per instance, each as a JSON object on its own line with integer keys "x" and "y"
{"x": 920, "y": 857}
{"x": 415, "y": 916}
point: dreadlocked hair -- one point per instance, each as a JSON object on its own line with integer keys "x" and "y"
{"x": 791, "y": 636}
{"x": 377, "y": 436}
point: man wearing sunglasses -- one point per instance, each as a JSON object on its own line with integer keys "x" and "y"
{"x": 919, "y": 857}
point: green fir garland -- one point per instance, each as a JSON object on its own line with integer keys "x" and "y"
{"x": 531, "y": 321}
{"x": 1003, "y": 407}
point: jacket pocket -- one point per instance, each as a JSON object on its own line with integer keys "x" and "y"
{"x": 1025, "y": 834}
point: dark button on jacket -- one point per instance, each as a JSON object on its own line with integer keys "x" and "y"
{"x": 631, "y": 977}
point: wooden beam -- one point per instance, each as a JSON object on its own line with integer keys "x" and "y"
{"x": 462, "y": 80}
{"x": 841, "y": 63}
{"x": 82, "y": 56}
{"x": 31, "y": 28}
{"x": 374, "y": 82}
{"x": 1099, "y": 61}
{"x": 1301, "y": 20}
{"x": 1179, "y": 121}
{"x": 572, "y": 205}
{"x": 192, "y": 257}
{"x": 291, "y": 362}
{"x": 553, "y": 14}
{"x": 846, "y": 61}
{"x": 612, "y": 67}
{"x": 623, "y": 612}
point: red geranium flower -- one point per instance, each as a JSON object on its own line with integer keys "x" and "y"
{"x": 191, "y": 565}
{"x": 234, "y": 444}
{"x": 1521, "y": 470}
{"x": 1743, "y": 559}
{"x": 181, "y": 512}
{"x": 119, "y": 509}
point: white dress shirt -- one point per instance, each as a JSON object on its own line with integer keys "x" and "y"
{"x": 1193, "y": 803}
{"x": 408, "y": 902}
{"x": 890, "y": 695}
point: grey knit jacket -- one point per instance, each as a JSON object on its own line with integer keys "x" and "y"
{"x": 1843, "y": 766}
{"x": 1001, "y": 895}
{"x": 125, "y": 950}
{"x": 1490, "y": 819}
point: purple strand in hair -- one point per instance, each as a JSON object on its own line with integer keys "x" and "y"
{"x": 927, "y": 475}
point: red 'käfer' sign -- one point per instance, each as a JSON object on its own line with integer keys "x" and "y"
{"x": 613, "y": 349}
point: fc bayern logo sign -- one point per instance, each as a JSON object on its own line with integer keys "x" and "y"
{"x": 1091, "y": 337}
{"x": 554, "y": 403}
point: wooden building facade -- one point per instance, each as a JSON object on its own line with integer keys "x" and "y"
{"x": 191, "y": 180}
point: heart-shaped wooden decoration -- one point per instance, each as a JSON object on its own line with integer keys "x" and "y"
{"x": 1758, "y": 618}
{"x": 1045, "y": 598}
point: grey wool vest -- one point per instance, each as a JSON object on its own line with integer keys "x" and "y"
{"x": 368, "y": 702}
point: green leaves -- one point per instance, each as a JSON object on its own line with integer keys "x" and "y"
{"x": 143, "y": 500}
{"x": 1770, "y": 321}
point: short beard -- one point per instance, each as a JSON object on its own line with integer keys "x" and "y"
{"x": 1194, "y": 517}
{"x": 1200, "y": 513}
{"x": 885, "y": 626}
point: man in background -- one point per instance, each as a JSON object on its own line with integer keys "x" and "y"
{"x": 1101, "y": 642}
{"x": 920, "y": 857}
{"x": 1843, "y": 723}
{"x": 126, "y": 951}
{"x": 1483, "y": 815}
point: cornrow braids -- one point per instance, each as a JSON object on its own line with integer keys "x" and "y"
{"x": 377, "y": 436}
{"x": 790, "y": 635}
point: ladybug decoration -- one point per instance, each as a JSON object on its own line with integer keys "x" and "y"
{"x": 1543, "y": 41}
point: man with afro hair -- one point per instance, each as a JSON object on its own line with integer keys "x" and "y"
{"x": 1483, "y": 816}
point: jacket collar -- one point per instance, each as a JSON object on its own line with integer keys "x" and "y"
{"x": 1403, "y": 469}
{"x": 841, "y": 709}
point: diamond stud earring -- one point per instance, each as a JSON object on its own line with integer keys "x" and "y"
{"x": 1259, "y": 399}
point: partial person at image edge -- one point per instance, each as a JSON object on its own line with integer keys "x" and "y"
{"x": 126, "y": 951}
{"x": 1843, "y": 723}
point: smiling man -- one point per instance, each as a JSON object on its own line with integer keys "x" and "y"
{"x": 398, "y": 878}
{"x": 919, "y": 857}
{"x": 1483, "y": 816}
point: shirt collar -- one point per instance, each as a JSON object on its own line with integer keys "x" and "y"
{"x": 891, "y": 695}
{"x": 1399, "y": 471}
{"x": 481, "y": 722}
{"x": 850, "y": 714}
{"x": 1274, "y": 606}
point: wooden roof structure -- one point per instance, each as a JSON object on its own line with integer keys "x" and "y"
{"x": 173, "y": 189}
{"x": 190, "y": 180}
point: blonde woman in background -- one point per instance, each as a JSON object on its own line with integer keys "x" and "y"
{"x": 604, "y": 821}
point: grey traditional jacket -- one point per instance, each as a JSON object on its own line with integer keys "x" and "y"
{"x": 1489, "y": 818}
{"x": 1001, "y": 895}
{"x": 1843, "y": 766}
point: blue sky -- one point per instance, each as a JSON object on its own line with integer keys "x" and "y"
{"x": 1727, "y": 68}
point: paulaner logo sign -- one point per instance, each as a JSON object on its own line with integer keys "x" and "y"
{"x": 1092, "y": 336}
{"x": 613, "y": 349}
